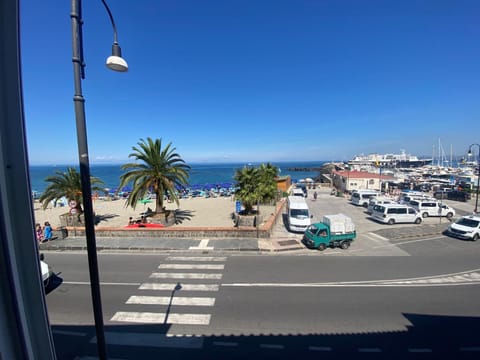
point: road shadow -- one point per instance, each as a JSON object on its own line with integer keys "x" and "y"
{"x": 53, "y": 283}
{"x": 425, "y": 337}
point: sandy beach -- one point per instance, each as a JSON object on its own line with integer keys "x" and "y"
{"x": 198, "y": 212}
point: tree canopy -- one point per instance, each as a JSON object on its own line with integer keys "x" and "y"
{"x": 158, "y": 170}
{"x": 255, "y": 185}
{"x": 67, "y": 184}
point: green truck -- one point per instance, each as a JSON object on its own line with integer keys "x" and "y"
{"x": 333, "y": 231}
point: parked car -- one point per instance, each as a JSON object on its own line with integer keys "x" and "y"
{"x": 45, "y": 269}
{"x": 467, "y": 227}
{"x": 458, "y": 195}
{"x": 441, "y": 194}
{"x": 298, "y": 192}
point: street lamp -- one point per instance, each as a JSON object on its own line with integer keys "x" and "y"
{"x": 478, "y": 172}
{"x": 116, "y": 63}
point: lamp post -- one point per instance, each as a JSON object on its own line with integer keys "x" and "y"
{"x": 114, "y": 62}
{"x": 478, "y": 172}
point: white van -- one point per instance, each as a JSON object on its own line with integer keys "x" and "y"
{"x": 407, "y": 196}
{"x": 378, "y": 201}
{"x": 432, "y": 208}
{"x": 396, "y": 213}
{"x": 361, "y": 197}
{"x": 298, "y": 214}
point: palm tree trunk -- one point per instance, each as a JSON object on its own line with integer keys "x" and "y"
{"x": 159, "y": 209}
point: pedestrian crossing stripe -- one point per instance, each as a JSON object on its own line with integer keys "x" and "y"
{"x": 185, "y": 276}
{"x": 192, "y": 266}
{"x": 161, "y": 318}
{"x": 171, "y": 300}
{"x": 196, "y": 258}
{"x": 185, "y": 287}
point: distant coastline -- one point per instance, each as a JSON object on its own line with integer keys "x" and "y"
{"x": 201, "y": 173}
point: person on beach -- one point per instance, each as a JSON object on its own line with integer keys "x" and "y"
{"x": 39, "y": 232}
{"x": 47, "y": 232}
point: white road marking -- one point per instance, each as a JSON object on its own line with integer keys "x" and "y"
{"x": 471, "y": 277}
{"x": 185, "y": 287}
{"x": 185, "y": 276}
{"x": 319, "y": 348}
{"x": 197, "y": 258}
{"x": 406, "y": 242}
{"x": 168, "y": 300}
{"x": 192, "y": 266}
{"x": 152, "y": 340}
{"x": 202, "y": 246}
{"x": 102, "y": 283}
{"x": 161, "y": 318}
{"x": 377, "y": 236}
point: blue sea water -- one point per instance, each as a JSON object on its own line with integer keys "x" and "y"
{"x": 200, "y": 174}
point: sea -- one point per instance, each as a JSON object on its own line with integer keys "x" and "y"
{"x": 200, "y": 174}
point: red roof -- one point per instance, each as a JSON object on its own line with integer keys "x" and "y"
{"x": 354, "y": 174}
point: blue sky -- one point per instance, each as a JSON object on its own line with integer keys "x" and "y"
{"x": 256, "y": 80}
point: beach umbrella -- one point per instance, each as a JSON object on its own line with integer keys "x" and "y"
{"x": 145, "y": 201}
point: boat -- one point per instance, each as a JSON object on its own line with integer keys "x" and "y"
{"x": 402, "y": 160}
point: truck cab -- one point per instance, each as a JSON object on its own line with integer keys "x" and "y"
{"x": 320, "y": 235}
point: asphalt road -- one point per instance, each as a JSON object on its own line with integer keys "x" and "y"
{"x": 423, "y": 303}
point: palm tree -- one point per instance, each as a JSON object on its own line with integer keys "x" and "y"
{"x": 256, "y": 185}
{"x": 247, "y": 180}
{"x": 157, "y": 170}
{"x": 67, "y": 184}
{"x": 267, "y": 184}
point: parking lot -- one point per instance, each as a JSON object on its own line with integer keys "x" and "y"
{"x": 374, "y": 238}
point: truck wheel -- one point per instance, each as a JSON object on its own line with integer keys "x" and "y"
{"x": 418, "y": 221}
{"x": 475, "y": 237}
{"x": 449, "y": 215}
{"x": 391, "y": 222}
{"x": 322, "y": 247}
{"x": 425, "y": 215}
{"x": 345, "y": 245}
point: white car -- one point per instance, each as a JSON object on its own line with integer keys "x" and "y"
{"x": 467, "y": 227}
{"x": 46, "y": 273}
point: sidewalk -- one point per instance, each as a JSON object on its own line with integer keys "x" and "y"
{"x": 280, "y": 240}
{"x": 290, "y": 242}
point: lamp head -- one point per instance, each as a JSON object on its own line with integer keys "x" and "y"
{"x": 115, "y": 62}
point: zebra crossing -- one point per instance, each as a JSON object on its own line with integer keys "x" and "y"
{"x": 180, "y": 282}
